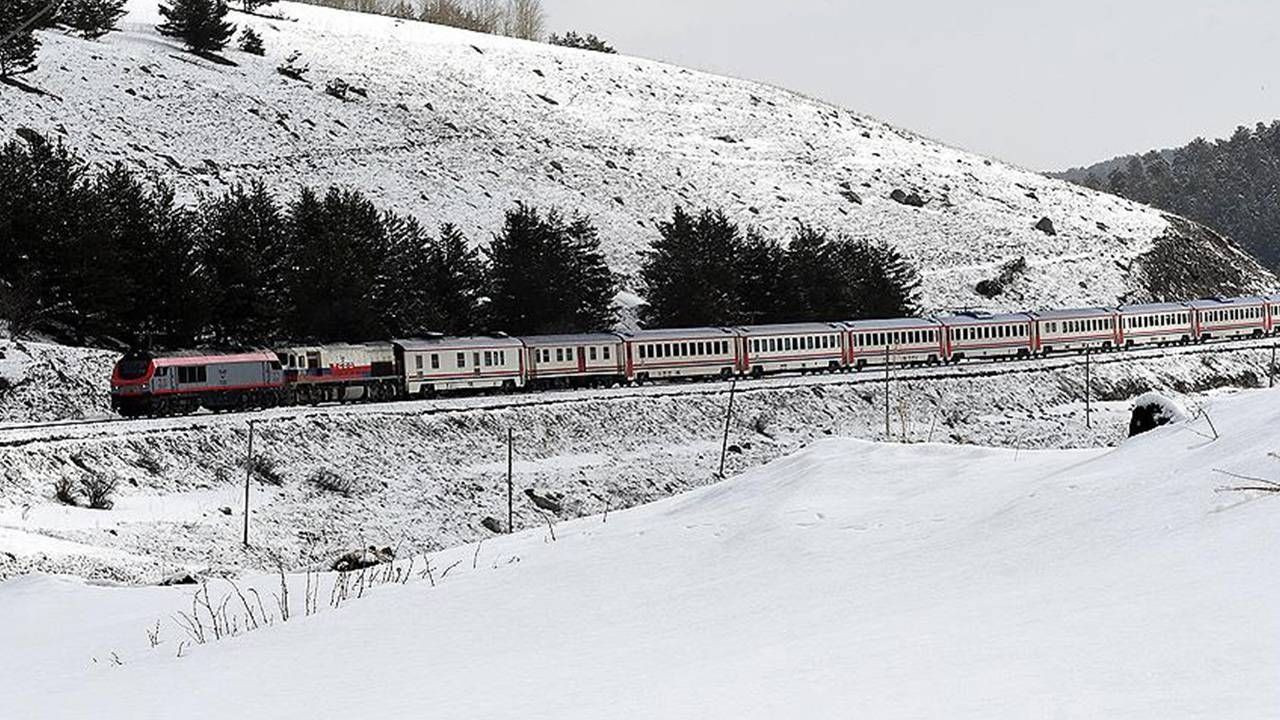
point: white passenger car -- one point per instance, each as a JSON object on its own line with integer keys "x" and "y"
{"x": 688, "y": 353}
{"x": 1230, "y": 318}
{"x": 1076, "y": 330}
{"x": 1156, "y": 324}
{"x": 799, "y": 347}
{"x": 983, "y": 335}
{"x": 897, "y": 341}
{"x": 439, "y": 365}
{"x": 573, "y": 360}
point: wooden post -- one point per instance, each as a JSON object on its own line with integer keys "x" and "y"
{"x": 1271, "y": 371}
{"x": 248, "y": 476}
{"x": 511, "y": 440}
{"x": 1088, "y": 407}
{"x": 887, "y": 430}
{"x": 728, "y": 418}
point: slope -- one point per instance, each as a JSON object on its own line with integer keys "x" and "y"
{"x": 852, "y": 579}
{"x": 458, "y": 127}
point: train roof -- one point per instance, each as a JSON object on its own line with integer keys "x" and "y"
{"x": 890, "y": 324}
{"x": 1069, "y": 313}
{"x": 1214, "y": 303}
{"x": 1153, "y": 307}
{"x": 569, "y": 339}
{"x": 450, "y": 343}
{"x": 197, "y": 357}
{"x": 336, "y": 346}
{"x": 982, "y": 318}
{"x": 790, "y": 328}
{"x": 680, "y": 334}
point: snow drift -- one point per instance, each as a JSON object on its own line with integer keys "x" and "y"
{"x": 852, "y": 579}
{"x": 458, "y": 126}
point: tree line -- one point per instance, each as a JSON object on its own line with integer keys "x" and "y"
{"x": 91, "y": 255}
{"x": 203, "y": 27}
{"x": 1231, "y": 185}
{"x": 94, "y": 255}
{"x": 706, "y": 270}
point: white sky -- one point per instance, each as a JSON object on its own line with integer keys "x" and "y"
{"x": 1043, "y": 83}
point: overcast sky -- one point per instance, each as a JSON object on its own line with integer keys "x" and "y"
{"x": 1047, "y": 84}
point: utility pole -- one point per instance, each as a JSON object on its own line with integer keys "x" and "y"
{"x": 248, "y": 475}
{"x": 887, "y": 431}
{"x": 728, "y": 417}
{"x": 1088, "y": 382}
{"x": 511, "y": 441}
{"x": 1271, "y": 371}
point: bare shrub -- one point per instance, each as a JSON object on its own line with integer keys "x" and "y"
{"x": 149, "y": 461}
{"x": 98, "y": 490}
{"x": 266, "y": 470}
{"x": 331, "y": 481}
{"x": 64, "y": 490}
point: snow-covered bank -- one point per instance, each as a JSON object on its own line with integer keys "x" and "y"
{"x": 851, "y": 579}
{"x": 425, "y": 475}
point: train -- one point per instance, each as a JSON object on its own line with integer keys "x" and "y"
{"x": 151, "y": 385}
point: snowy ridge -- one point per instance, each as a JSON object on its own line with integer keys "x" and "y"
{"x": 851, "y": 579}
{"x": 459, "y": 126}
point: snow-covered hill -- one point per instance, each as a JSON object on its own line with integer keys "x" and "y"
{"x": 850, "y": 580}
{"x": 458, "y": 126}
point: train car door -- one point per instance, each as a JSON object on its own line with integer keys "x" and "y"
{"x": 582, "y": 360}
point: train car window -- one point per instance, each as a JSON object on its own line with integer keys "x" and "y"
{"x": 488, "y": 358}
{"x": 559, "y": 354}
{"x": 591, "y": 354}
{"x": 417, "y": 361}
{"x": 605, "y": 350}
{"x": 642, "y": 352}
{"x": 462, "y": 360}
{"x": 435, "y": 361}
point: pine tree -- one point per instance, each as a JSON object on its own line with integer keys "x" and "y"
{"x": 91, "y": 18}
{"x": 548, "y": 276}
{"x": 760, "y": 273}
{"x": 689, "y": 272}
{"x": 251, "y": 6}
{"x": 199, "y": 23}
{"x": 18, "y": 55}
{"x": 456, "y": 272}
{"x": 41, "y": 198}
{"x": 338, "y": 252}
{"x": 242, "y": 249}
{"x": 883, "y": 283}
{"x": 251, "y": 42}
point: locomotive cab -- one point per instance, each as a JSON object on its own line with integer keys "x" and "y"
{"x": 131, "y": 384}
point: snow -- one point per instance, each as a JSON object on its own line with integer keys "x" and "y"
{"x": 1170, "y": 409}
{"x": 851, "y": 579}
{"x": 458, "y": 127}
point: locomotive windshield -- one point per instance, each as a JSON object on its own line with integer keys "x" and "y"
{"x": 133, "y": 369}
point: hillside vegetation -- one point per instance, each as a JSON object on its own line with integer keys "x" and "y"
{"x": 446, "y": 125}
{"x": 1231, "y": 185}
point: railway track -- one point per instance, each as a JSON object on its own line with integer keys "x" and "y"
{"x": 17, "y": 435}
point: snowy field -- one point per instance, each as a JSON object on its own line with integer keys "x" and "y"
{"x": 851, "y": 579}
{"x": 459, "y": 126}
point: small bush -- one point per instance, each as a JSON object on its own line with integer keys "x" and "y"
{"x": 98, "y": 490}
{"x": 266, "y": 470}
{"x": 291, "y": 69}
{"x": 338, "y": 88}
{"x": 582, "y": 42}
{"x": 251, "y": 42}
{"x": 331, "y": 481}
{"x": 64, "y": 491}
